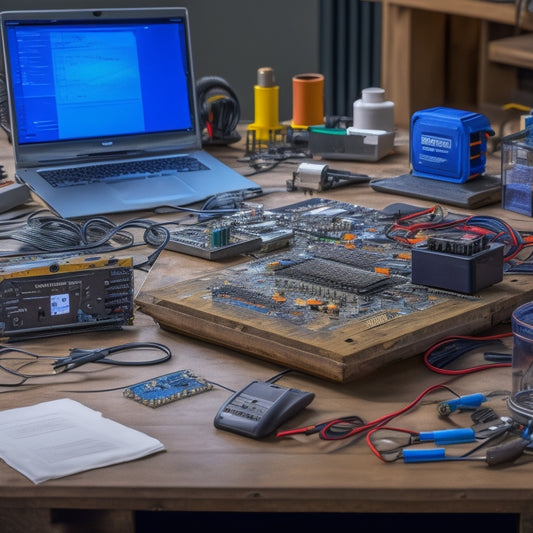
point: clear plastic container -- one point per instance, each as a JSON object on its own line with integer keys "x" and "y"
{"x": 521, "y": 400}
{"x": 517, "y": 172}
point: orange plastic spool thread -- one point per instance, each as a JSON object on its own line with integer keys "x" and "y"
{"x": 307, "y": 100}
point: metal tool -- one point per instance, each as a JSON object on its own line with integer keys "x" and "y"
{"x": 391, "y": 444}
{"x": 319, "y": 177}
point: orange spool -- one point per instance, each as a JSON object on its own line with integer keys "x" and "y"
{"x": 307, "y": 100}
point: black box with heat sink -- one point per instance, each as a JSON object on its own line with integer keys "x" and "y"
{"x": 467, "y": 274}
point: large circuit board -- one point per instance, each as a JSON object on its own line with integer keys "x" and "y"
{"x": 338, "y": 266}
{"x": 327, "y": 291}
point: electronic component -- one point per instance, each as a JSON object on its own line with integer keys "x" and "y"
{"x": 335, "y": 275}
{"x": 260, "y": 408}
{"x": 339, "y": 265}
{"x": 329, "y": 303}
{"x": 467, "y": 274}
{"x": 54, "y": 294}
{"x": 168, "y": 388}
{"x": 457, "y": 243}
{"x": 319, "y": 177}
{"x": 371, "y": 136}
{"x": 245, "y": 231}
{"x": 213, "y": 243}
{"x": 448, "y": 144}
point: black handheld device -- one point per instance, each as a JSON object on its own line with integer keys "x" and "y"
{"x": 260, "y": 408}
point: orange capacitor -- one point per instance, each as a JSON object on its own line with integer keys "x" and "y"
{"x": 307, "y": 100}
{"x": 266, "y": 106}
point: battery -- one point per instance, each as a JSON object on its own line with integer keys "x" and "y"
{"x": 448, "y": 144}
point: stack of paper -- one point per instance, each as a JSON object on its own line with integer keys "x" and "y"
{"x": 61, "y": 437}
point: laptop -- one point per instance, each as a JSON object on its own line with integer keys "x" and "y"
{"x": 103, "y": 111}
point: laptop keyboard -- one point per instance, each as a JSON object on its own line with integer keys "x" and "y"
{"x": 150, "y": 168}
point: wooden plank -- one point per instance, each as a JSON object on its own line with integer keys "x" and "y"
{"x": 396, "y": 61}
{"x": 516, "y": 51}
{"x": 496, "y": 82}
{"x": 427, "y": 60}
{"x": 491, "y": 11}
{"x": 462, "y": 61}
{"x": 341, "y": 355}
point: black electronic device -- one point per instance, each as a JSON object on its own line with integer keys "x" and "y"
{"x": 62, "y": 293}
{"x": 464, "y": 272}
{"x": 260, "y": 408}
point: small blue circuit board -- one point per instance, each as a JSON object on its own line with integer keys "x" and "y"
{"x": 168, "y": 388}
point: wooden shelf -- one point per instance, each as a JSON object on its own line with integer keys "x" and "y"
{"x": 516, "y": 51}
{"x": 500, "y": 12}
{"x": 436, "y": 52}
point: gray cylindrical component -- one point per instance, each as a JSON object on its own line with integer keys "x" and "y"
{"x": 265, "y": 77}
{"x": 372, "y": 111}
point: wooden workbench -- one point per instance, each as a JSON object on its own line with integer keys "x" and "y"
{"x": 204, "y": 469}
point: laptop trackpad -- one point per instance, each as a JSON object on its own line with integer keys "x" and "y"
{"x": 151, "y": 189}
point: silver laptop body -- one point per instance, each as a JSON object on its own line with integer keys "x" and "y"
{"x": 90, "y": 88}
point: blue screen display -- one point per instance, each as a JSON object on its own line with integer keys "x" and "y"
{"x": 80, "y": 80}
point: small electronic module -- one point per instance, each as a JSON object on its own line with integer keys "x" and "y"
{"x": 168, "y": 388}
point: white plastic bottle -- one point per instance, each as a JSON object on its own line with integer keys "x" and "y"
{"x": 372, "y": 111}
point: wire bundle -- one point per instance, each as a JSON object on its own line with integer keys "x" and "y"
{"x": 497, "y": 231}
{"x": 351, "y": 426}
{"x": 452, "y": 348}
{"x": 49, "y": 233}
{"x": 415, "y": 228}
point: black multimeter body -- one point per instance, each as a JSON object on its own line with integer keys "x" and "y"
{"x": 260, "y": 408}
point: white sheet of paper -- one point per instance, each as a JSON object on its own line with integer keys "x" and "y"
{"x": 62, "y": 437}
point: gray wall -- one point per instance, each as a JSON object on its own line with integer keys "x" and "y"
{"x": 233, "y": 38}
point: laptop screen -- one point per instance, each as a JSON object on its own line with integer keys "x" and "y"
{"x": 74, "y": 80}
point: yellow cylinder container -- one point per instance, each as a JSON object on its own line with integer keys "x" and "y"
{"x": 266, "y": 106}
